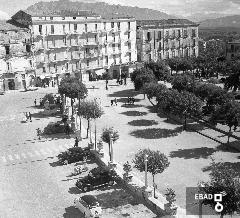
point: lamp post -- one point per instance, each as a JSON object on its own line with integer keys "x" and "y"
{"x": 145, "y": 161}
{"x": 111, "y": 148}
{"x": 80, "y": 120}
{"x": 95, "y": 127}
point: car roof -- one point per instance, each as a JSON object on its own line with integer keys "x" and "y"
{"x": 98, "y": 170}
{"x": 90, "y": 199}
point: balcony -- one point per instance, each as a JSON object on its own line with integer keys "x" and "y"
{"x": 93, "y": 44}
{"x": 91, "y": 55}
{"x": 166, "y": 48}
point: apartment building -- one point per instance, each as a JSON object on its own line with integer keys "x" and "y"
{"x": 78, "y": 43}
{"x": 16, "y": 62}
{"x": 232, "y": 49}
{"x": 163, "y": 39}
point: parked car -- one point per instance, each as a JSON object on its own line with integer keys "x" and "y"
{"x": 88, "y": 205}
{"x": 73, "y": 155}
{"x": 94, "y": 179}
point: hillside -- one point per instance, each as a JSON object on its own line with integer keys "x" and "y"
{"x": 101, "y": 8}
{"x": 229, "y": 21}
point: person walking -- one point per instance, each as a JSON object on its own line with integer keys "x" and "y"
{"x": 26, "y": 115}
{"x": 76, "y": 142}
{"x": 35, "y": 102}
{"x": 30, "y": 116}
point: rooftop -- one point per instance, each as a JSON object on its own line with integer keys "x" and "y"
{"x": 154, "y": 24}
{"x": 9, "y": 25}
{"x": 117, "y": 16}
{"x": 64, "y": 13}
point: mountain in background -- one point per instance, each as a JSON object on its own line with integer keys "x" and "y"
{"x": 228, "y": 21}
{"x": 101, "y": 8}
{"x": 198, "y": 17}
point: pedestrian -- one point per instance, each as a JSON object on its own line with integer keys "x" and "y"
{"x": 26, "y": 115}
{"x": 35, "y": 102}
{"x": 30, "y": 116}
{"x": 40, "y": 102}
{"x": 106, "y": 84}
{"x": 76, "y": 142}
{"x": 125, "y": 81}
{"x": 39, "y": 133}
{"x": 112, "y": 102}
{"x": 67, "y": 129}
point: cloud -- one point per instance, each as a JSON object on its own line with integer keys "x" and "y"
{"x": 4, "y": 15}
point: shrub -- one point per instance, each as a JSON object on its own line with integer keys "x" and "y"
{"x": 54, "y": 128}
{"x": 183, "y": 82}
{"x": 72, "y": 155}
{"x": 214, "y": 81}
{"x": 49, "y": 98}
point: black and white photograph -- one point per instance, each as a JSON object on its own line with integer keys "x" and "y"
{"x": 119, "y": 109}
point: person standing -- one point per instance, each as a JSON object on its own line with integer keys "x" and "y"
{"x": 35, "y": 102}
{"x": 76, "y": 142}
{"x": 30, "y": 116}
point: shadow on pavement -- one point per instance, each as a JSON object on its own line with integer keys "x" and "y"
{"x": 235, "y": 166}
{"x": 72, "y": 212}
{"x": 196, "y": 153}
{"x": 58, "y": 136}
{"x": 155, "y": 133}
{"x": 41, "y": 115}
{"x": 56, "y": 164}
{"x": 132, "y": 105}
{"x": 134, "y": 113}
{"x": 225, "y": 147}
{"x": 143, "y": 122}
{"x": 124, "y": 93}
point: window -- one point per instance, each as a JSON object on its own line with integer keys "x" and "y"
{"x": 114, "y": 59}
{"x": 130, "y": 57}
{"x": 63, "y": 28}
{"x": 75, "y": 27}
{"x": 67, "y": 65}
{"x": 167, "y": 55}
{"x": 95, "y": 38}
{"x": 44, "y": 69}
{"x": 65, "y": 40}
{"x": 118, "y": 25}
{"x": 112, "y": 24}
{"x": 148, "y": 36}
{"x": 55, "y": 56}
{"x": 55, "y": 67}
{"x": 98, "y": 62}
{"x": 113, "y": 47}
{"x": 28, "y": 48}
{"x": 194, "y": 52}
{"x": 96, "y": 26}
{"x": 194, "y": 42}
{"x": 52, "y": 29}
{"x": 40, "y": 29}
{"x": 74, "y": 18}
{"x": 173, "y": 54}
{"x": 179, "y": 33}
{"x": 87, "y": 63}
{"x": 119, "y": 46}
{"x": 160, "y": 46}
{"x": 104, "y": 25}
{"x": 167, "y": 33}
{"x": 51, "y": 18}
{"x": 7, "y": 47}
{"x": 106, "y": 60}
{"x": 193, "y": 33}
{"x": 53, "y": 42}
{"x": 128, "y": 35}
{"x": 86, "y": 29}
{"x": 159, "y": 35}
{"x": 113, "y": 35}
{"x": 129, "y": 25}
{"x": 106, "y": 37}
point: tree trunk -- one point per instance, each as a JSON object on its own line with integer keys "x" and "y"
{"x": 109, "y": 150}
{"x": 229, "y": 135}
{"x": 185, "y": 122}
{"x": 95, "y": 131}
{"x": 80, "y": 123}
{"x": 151, "y": 102}
{"x": 88, "y": 128}
{"x": 72, "y": 106}
{"x": 90, "y": 132}
{"x": 144, "y": 96}
{"x": 154, "y": 189}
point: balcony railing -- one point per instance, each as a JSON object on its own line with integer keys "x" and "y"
{"x": 91, "y": 43}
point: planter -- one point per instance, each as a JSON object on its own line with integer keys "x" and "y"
{"x": 101, "y": 154}
{"x": 112, "y": 165}
{"x": 91, "y": 145}
{"x": 171, "y": 209}
{"x": 148, "y": 192}
{"x": 127, "y": 177}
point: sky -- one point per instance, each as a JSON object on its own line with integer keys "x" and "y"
{"x": 174, "y": 7}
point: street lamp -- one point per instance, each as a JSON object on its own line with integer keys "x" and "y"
{"x": 145, "y": 161}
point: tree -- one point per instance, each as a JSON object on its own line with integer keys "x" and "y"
{"x": 229, "y": 114}
{"x": 72, "y": 88}
{"x": 204, "y": 90}
{"x": 90, "y": 110}
{"x": 152, "y": 90}
{"x": 107, "y": 76}
{"x": 146, "y": 76}
{"x": 183, "y": 82}
{"x": 223, "y": 179}
{"x": 157, "y": 162}
{"x": 109, "y": 135}
{"x": 159, "y": 69}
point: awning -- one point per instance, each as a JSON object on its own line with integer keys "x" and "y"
{"x": 100, "y": 72}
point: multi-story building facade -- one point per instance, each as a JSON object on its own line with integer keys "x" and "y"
{"x": 16, "y": 62}
{"x": 163, "y": 39}
{"x": 232, "y": 49}
{"x": 79, "y": 43}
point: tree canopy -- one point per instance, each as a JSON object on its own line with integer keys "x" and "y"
{"x": 72, "y": 88}
{"x": 90, "y": 110}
